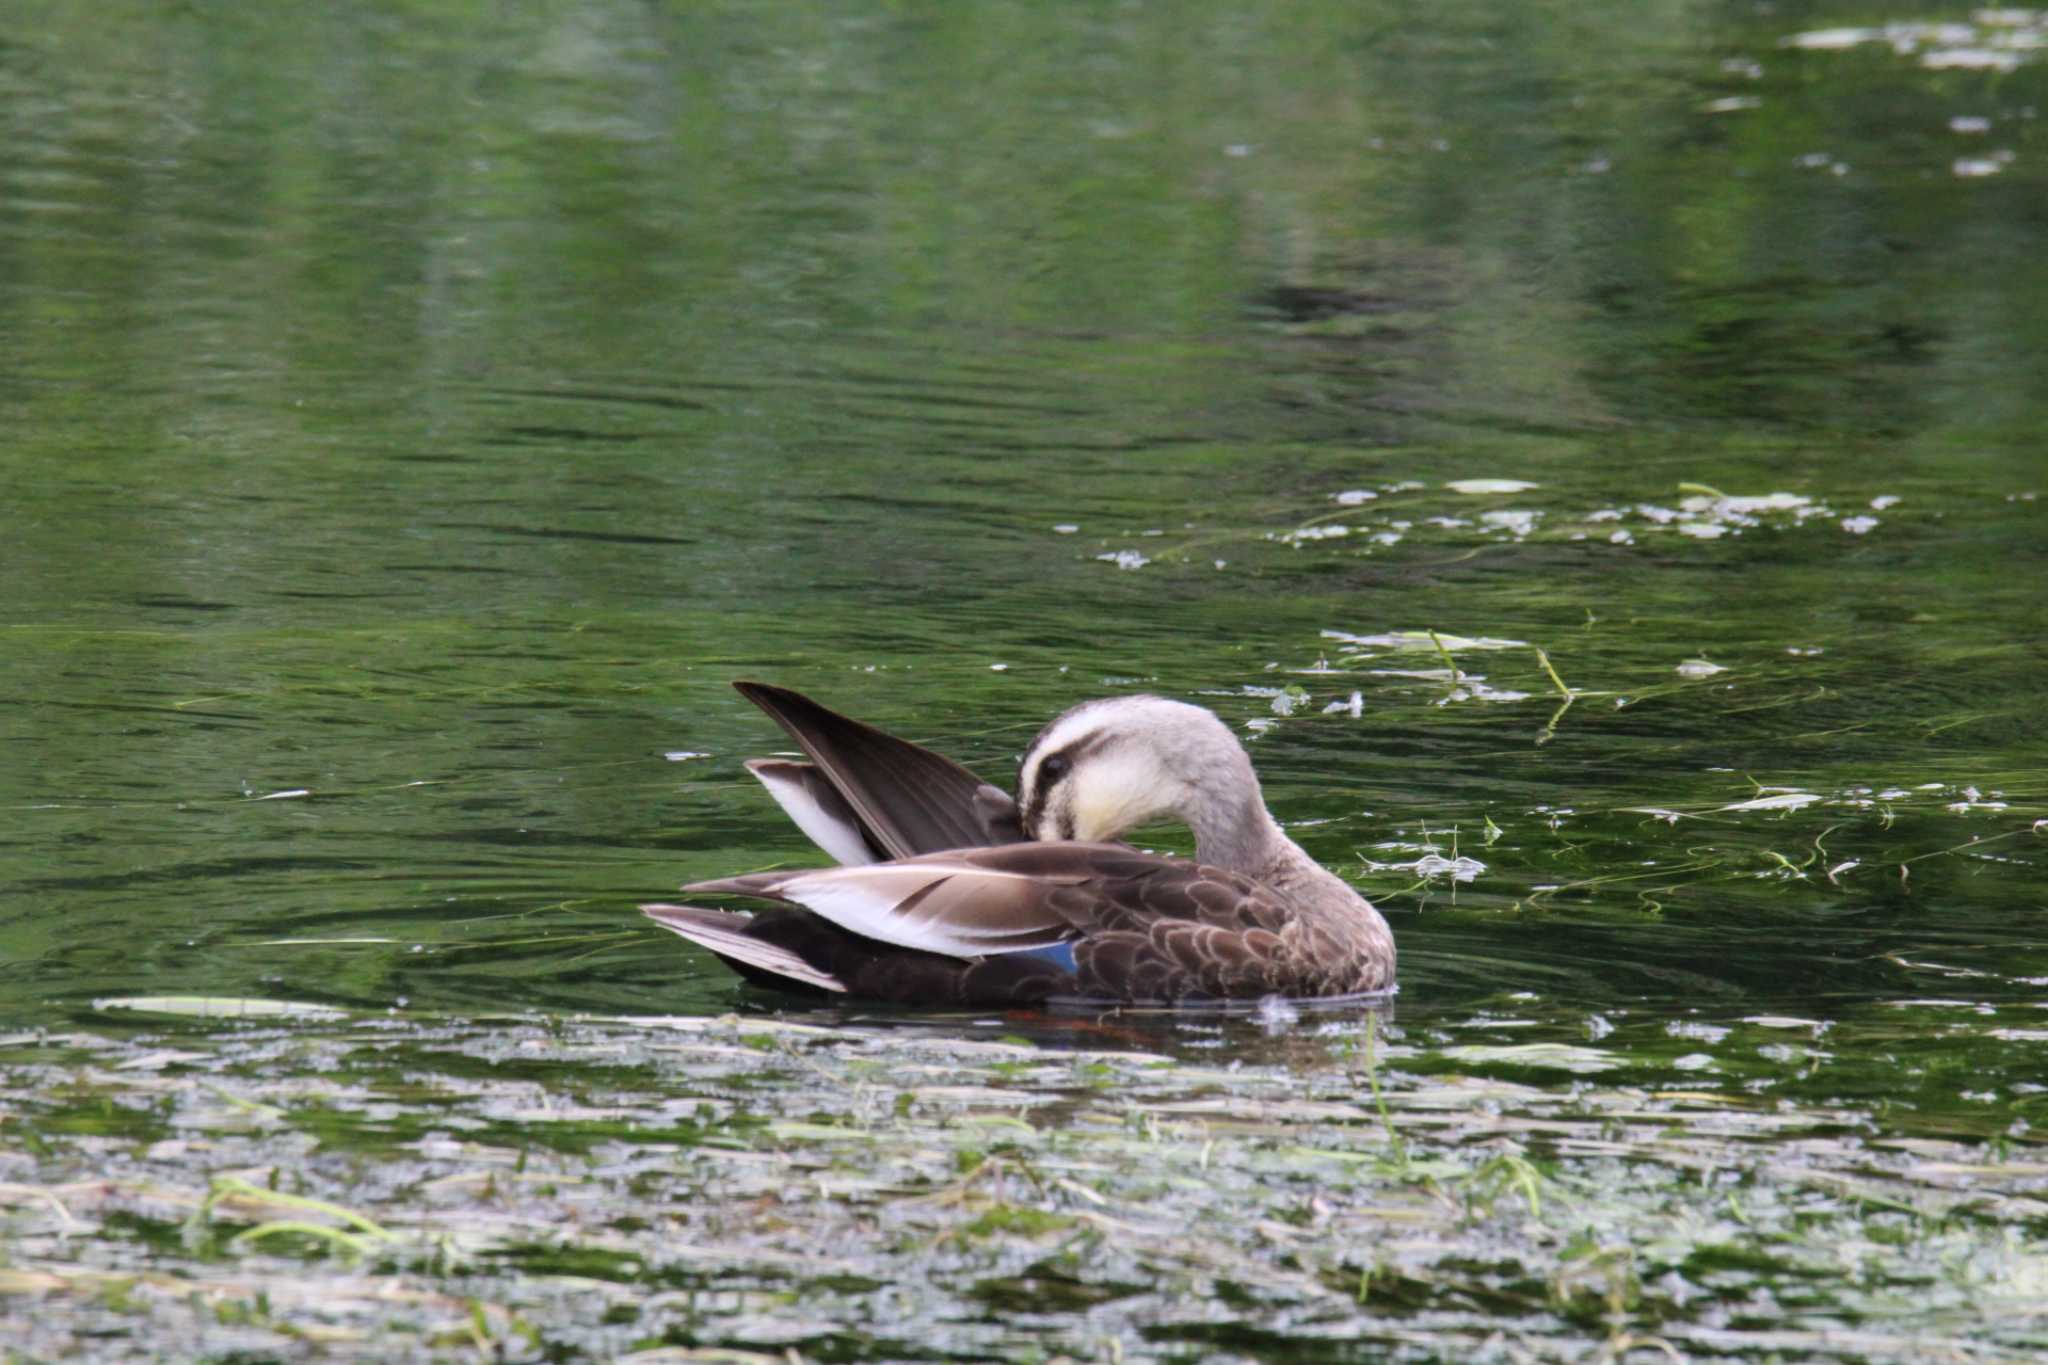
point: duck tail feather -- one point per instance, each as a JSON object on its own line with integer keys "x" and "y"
{"x": 725, "y": 934}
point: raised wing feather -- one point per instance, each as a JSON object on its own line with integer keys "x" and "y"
{"x": 908, "y": 800}
{"x": 817, "y": 808}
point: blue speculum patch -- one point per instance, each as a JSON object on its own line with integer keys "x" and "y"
{"x": 1061, "y": 954}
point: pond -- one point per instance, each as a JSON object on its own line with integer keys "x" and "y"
{"x": 1594, "y": 457}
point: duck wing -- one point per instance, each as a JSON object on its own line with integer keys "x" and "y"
{"x": 1030, "y": 922}
{"x": 867, "y": 796}
{"x": 965, "y": 903}
{"x": 1015, "y": 897}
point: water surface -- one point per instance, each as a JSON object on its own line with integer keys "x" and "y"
{"x": 415, "y": 422}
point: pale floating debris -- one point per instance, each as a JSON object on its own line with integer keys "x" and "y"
{"x": 1697, "y": 1029}
{"x": 1847, "y": 865}
{"x": 1553, "y": 1056}
{"x": 1385, "y": 537}
{"x": 1477, "y": 486}
{"x": 1276, "y": 1015}
{"x": 1884, "y": 500}
{"x": 1942, "y": 46}
{"x": 1258, "y": 725}
{"x": 1125, "y": 559}
{"x": 1302, "y": 533}
{"x": 291, "y": 795}
{"x": 1221, "y": 563}
{"x": 1465, "y": 686}
{"x": 1459, "y": 869}
{"x": 998, "y": 668}
{"x": 1743, "y": 510}
{"x": 1731, "y": 104}
{"x": 1284, "y": 700}
{"x": 220, "y": 1007}
{"x": 1972, "y": 59}
{"x": 683, "y": 755}
{"x": 1964, "y": 807}
{"x": 1699, "y": 668}
{"x": 1969, "y": 123}
{"x": 1351, "y": 497}
{"x": 1517, "y": 523}
{"x": 1702, "y": 530}
{"x": 1669, "y": 817}
{"x": 1694, "y": 1061}
{"x": 1598, "y": 165}
{"x": 1065, "y": 528}
{"x": 1238, "y": 149}
{"x": 1893, "y": 793}
{"x": 1798, "y": 652}
{"x": 1606, "y": 514}
{"x": 313, "y": 942}
{"x": 1621, "y": 538}
{"x": 1470, "y": 688}
{"x": 1447, "y": 523}
{"x": 1356, "y": 706}
{"x": 1858, "y": 525}
{"x": 1421, "y": 639}
{"x": 1832, "y": 39}
{"x": 1743, "y": 67}
{"x": 1778, "y": 801}
{"x": 1977, "y": 167}
{"x": 1785, "y": 1021}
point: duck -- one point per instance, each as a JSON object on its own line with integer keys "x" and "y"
{"x": 948, "y": 891}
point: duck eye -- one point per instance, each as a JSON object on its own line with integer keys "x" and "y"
{"x": 1053, "y": 769}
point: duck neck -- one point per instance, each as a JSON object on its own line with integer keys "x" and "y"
{"x": 1241, "y": 838}
{"x": 1250, "y": 841}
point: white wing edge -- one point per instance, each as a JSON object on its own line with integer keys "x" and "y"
{"x": 816, "y": 807}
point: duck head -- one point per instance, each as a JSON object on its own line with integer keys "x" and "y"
{"x": 1108, "y": 766}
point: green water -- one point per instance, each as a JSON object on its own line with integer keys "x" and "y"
{"x": 415, "y": 415}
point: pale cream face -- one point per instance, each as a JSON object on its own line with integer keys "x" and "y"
{"x": 1101, "y": 769}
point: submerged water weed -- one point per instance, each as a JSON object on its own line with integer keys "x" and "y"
{"x": 1400, "y": 1194}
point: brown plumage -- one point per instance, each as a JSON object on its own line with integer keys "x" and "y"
{"x": 941, "y": 903}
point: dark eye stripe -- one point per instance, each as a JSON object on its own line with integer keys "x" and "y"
{"x": 1053, "y": 768}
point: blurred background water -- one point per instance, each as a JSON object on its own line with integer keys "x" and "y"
{"x": 416, "y": 414}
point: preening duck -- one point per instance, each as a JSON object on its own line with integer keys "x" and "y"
{"x": 951, "y": 893}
